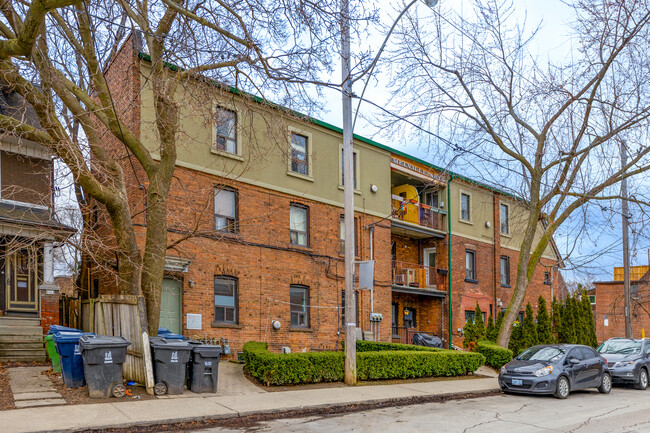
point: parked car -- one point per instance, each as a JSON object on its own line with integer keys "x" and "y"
{"x": 556, "y": 369}
{"x": 628, "y": 360}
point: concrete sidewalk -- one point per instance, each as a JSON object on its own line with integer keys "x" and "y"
{"x": 193, "y": 407}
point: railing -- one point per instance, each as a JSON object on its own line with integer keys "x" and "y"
{"x": 419, "y": 276}
{"x": 417, "y": 213}
{"x": 405, "y": 335}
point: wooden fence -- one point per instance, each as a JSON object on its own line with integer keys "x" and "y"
{"x": 118, "y": 315}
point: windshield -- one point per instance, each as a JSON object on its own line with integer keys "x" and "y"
{"x": 544, "y": 353}
{"x": 620, "y": 346}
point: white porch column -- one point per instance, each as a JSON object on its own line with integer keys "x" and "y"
{"x": 48, "y": 264}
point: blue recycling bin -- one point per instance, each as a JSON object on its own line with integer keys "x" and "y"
{"x": 72, "y": 366}
{"x": 166, "y": 333}
{"x": 57, "y": 328}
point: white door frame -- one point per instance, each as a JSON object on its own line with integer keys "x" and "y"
{"x": 425, "y": 260}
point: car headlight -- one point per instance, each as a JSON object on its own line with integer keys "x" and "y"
{"x": 624, "y": 364}
{"x": 503, "y": 370}
{"x": 544, "y": 371}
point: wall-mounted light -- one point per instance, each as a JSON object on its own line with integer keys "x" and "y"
{"x": 192, "y": 282}
{"x": 373, "y": 188}
{"x": 488, "y": 224}
{"x": 276, "y": 324}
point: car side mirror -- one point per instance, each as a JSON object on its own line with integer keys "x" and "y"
{"x": 574, "y": 361}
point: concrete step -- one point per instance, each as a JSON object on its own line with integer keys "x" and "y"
{"x": 20, "y": 330}
{"x": 37, "y": 351}
{"x": 19, "y": 321}
{"x": 27, "y": 357}
{"x": 18, "y": 345}
{"x": 5, "y": 338}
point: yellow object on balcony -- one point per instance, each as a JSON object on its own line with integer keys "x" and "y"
{"x": 408, "y": 209}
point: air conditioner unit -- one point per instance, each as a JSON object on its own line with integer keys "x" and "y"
{"x": 399, "y": 279}
{"x": 410, "y": 276}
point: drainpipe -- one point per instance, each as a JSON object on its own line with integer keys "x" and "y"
{"x": 451, "y": 177}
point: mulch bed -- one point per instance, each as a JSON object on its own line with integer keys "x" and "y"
{"x": 6, "y": 397}
{"x": 80, "y": 395}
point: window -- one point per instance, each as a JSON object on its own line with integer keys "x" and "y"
{"x": 299, "y": 224}
{"x": 225, "y": 210}
{"x": 225, "y": 300}
{"x": 409, "y": 318}
{"x": 592, "y": 299}
{"x": 547, "y": 278}
{"x": 520, "y": 317}
{"x": 430, "y": 198}
{"x": 355, "y": 169}
{"x": 465, "y": 203}
{"x": 356, "y": 252}
{"x": 505, "y": 271}
{"x": 634, "y": 291}
{"x": 299, "y": 299}
{"x": 395, "y": 325}
{"x": 470, "y": 266}
{"x": 505, "y": 229}
{"x": 469, "y": 316}
{"x": 299, "y": 154}
{"x": 226, "y": 125}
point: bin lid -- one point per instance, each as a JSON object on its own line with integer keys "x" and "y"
{"x": 101, "y": 341}
{"x": 163, "y": 331}
{"x": 172, "y": 344}
{"x": 56, "y": 328}
{"x": 208, "y": 351}
{"x": 66, "y": 336}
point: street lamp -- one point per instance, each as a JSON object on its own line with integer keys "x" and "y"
{"x": 348, "y": 181}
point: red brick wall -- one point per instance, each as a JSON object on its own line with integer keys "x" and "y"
{"x": 49, "y": 309}
{"x": 610, "y": 302}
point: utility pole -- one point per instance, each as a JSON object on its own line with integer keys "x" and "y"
{"x": 348, "y": 201}
{"x": 626, "y": 247}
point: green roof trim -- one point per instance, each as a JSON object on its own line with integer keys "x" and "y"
{"x": 329, "y": 126}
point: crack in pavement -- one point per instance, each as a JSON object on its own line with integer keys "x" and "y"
{"x": 588, "y": 420}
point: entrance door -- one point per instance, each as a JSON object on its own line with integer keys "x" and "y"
{"x": 20, "y": 287}
{"x": 430, "y": 261}
{"x": 170, "y": 305}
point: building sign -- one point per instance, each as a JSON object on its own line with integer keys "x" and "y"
{"x": 415, "y": 169}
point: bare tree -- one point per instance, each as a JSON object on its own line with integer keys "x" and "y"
{"x": 55, "y": 54}
{"x": 551, "y": 131}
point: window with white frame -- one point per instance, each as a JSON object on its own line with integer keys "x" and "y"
{"x": 470, "y": 265}
{"x": 505, "y": 219}
{"x": 465, "y": 206}
{"x": 225, "y": 210}
{"x": 299, "y": 224}
{"x": 505, "y": 270}
{"x": 299, "y": 300}
{"x": 225, "y": 300}
{"x": 299, "y": 154}
{"x": 355, "y": 168}
{"x": 226, "y": 128}
{"x": 343, "y": 236}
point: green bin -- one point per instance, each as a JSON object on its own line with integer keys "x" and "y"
{"x": 51, "y": 353}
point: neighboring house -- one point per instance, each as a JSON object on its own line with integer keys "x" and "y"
{"x": 608, "y": 303}
{"x": 29, "y": 299}
{"x": 256, "y": 209}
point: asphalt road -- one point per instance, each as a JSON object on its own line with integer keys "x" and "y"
{"x": 623, "y": 410}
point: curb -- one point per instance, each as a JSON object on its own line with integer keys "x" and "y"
{"x": 239, "y": 419}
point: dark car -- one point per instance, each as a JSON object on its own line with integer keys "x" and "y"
{"x": 628, "y": 360}
{"x": 555, "y": 369}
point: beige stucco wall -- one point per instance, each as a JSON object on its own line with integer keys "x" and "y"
{"x": 263, "y": 139}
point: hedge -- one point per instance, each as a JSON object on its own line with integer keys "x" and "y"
{"x": 378, "y": 346}
{"x": 384, "y": 363}
{"x": 495, "y": 355}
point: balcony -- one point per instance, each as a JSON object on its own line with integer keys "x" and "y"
{"x": 418, "y": 279}
{"x": 411, "y": 214}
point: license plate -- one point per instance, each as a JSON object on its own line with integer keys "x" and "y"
{"x": 517, "y": 382}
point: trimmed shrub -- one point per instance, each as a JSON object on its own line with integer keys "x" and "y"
{"x": 544, "y": 332}
{"x": 479, "y": 323}
{"x": 385, "y": 362}
{"x": 529, "y": 329}
{"x": 590, "y": 327}
{"x": 495, "y": 355}
{"x": 378, "y": 346}
{"x": 411, "y": 364}
{"x": 516, "y": 343}
{"x": 489, "y": 329}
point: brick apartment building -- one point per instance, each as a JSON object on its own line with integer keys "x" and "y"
{"x": 261, "y": 192}
{"x": 608, "y": 303}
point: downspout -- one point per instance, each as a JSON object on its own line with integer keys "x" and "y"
{"x": 451, "y": 177}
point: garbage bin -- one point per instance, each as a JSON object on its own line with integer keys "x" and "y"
{"x": 103, "y": 357}
{"x": 67, "y": 346}
{"x": 188, "y": 370}
{"x": 56, "y": 328}
{"x": 166, "y": 333}
{"x": 50, "y": 347}
{"x": 205, "y": 368}
{"x": 169, "y": 363}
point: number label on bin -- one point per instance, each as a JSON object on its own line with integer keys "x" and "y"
{"x": 208, "y": 363}
{"x": 174, "y": 357}
{"x": 108, "y": 357}
{"x": 76, "y": 350}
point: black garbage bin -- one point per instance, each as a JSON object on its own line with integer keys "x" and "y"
{"x": 103, "y": 357}
{"x": 169, "y": 363}
{"x": 188, "y": 370}
{"x": 205, "y": 368}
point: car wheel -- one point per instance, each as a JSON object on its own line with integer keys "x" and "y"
{"x": 605, "y": 384}
{"x": 562, "y": 388}
{"x": 642, "y": 383}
